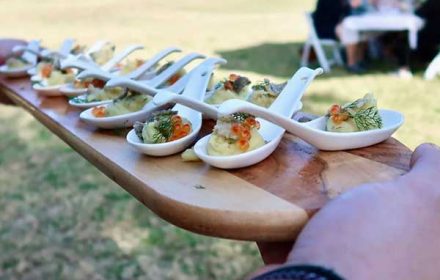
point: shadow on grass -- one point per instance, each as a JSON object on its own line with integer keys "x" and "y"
{"x": 323, "y": 99}
{"x": 283, "y": 59}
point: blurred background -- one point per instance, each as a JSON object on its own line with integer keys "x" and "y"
{"x": 62, "y": 219}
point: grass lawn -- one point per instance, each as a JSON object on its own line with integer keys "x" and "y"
{"x": 62, "y": 219}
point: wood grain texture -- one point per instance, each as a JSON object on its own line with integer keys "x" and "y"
{"x": 270, "y": 201}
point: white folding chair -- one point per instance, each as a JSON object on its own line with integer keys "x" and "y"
{"x": 318, "y": 45}
{"x": 433, "y": 68}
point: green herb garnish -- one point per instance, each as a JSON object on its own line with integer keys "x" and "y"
{"x": 368, "y": 119}
{"x": 163, "y": 125}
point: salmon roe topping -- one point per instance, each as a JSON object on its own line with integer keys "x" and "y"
{"x": 46, "y": 71}
{"x": 243, "y": 144}
{"x": 99, "y": 111}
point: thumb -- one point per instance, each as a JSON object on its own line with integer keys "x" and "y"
{"x": 427, "y": 157}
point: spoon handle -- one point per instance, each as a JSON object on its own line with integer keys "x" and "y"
{"x": 76, "y": 63}
{"x": 292, "y": 93}
{"x": 95, "y": 73}
{"x": 96, "y": 47}
{"x": 120, "y": 56}
{"x": 198, "y": 82}
{"x": 66, "y": 47}
{"x": 31, "y": 52}
{"x": 232, "y": 106}
{"x": 173, "y": 69}
{"x": 151, "y": 62}
{"x": 131, "y": 84}
{"x": 178, "y": 86}
{"x": 166, "y": 97}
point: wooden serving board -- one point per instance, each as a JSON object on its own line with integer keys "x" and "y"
{"x": 270, "y": 201}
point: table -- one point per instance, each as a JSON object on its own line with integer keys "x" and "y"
{"x": 268, "y": 202}
{"x": 382, "y": 22}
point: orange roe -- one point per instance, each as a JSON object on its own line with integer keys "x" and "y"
{"x": 233, "y": 77}
{"x": 335, "y": 109}
{"x": 180, "y": 130}
{"x": 176, "y": 119}
{"x": 186, "y": 128}
{"x": 46, "y": 70}
{"x": 174, "y": 79}
{"x": 236, "y": 128}
{"x": 99, "y": 111}
{"x": 243, "y": 144}
{"x": 243, "y": 132}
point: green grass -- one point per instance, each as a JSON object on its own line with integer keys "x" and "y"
{"x": 62, "y": 219}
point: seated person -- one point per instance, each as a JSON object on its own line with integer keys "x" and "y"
{"x": 429, "y": 36}
{"x": 328, "y": 14}
{"x": 355, "y": 41}
{"x": 352, "y": 39}
{"x": 395, "y": 43}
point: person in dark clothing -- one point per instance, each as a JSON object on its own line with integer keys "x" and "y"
{"x": 395, "y": 45}
{"x": 328, "y": 14}
{"x": 428, "y": 41}
{"x": 429, "y": 36}
{"x": 327, "y": 20}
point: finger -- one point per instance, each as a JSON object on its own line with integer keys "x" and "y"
{"x": 425, "y": 156}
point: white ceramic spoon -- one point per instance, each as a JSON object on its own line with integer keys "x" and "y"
{"x": 314, "y": 132}
{"x": 70, "y": 90}
{"x": 98, "y": 45}
{"x": 140, "y": 72}
{"x": 127, "y": 120}
{"x": 65, "y": 49}
{"x": 43, "y": 89}
{"x": 29, "y": 56}
{"x": 80, "y": 62}
{"x": 47, "y": 90}
{"x": 161, "y": 78}
{"x": 55, "y": 89}
{"x": 195, "y": 89}
{"x": 86, "y": 105}
{"x": 120, "y": 121}
{"x": 84, "y": 61}
{"x": 135, "y": 75}
{"x": 62, "y": 52}
{"x": 125, "y": 80}
{"x": 285, "y": 104}
{"x": 120, "y": 56}
{"x": 150, "y": 86}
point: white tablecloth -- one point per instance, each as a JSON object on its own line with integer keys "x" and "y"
{"x": 386, "y": 22}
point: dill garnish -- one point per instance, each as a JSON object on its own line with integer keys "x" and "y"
{"x": 241, "y": 117}
{"x": 368, "y": 119}
{"x": 269, "y": 88}
{"x": 163, "y": 125}
{"x": 236, "y": 117}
